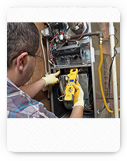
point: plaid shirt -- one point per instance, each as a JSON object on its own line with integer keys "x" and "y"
{"x": 20, "y": 105}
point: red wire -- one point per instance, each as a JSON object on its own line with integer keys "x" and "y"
{"x": 50, "y": 46}
{"x": 81, "y": 35}
{"x": 64, "y": 36}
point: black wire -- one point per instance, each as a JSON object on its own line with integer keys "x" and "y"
{"x": 116, "y": 42}
{"x": 102, "y": 109}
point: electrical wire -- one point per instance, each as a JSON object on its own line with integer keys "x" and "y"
{"x": 89, "y": 107}
{"x": 116, "y": 42}
{"x": 51, "y": 44}
{"x": 48, "y": 26}
{"x": 64, "y": 36}
{"x": 81, "y": 34}
{"x": 50, "y": 47}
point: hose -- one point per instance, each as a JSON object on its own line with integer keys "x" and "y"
{"x": 100, "y": 79}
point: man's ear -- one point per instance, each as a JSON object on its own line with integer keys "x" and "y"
{"x": 21, "y": 61}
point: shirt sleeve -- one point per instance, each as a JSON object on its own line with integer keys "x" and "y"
{"x": 44, "y": 113}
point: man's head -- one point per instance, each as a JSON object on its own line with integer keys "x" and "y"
{"x": 22, "y": 45}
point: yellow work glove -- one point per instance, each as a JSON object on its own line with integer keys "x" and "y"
{"x": 78, "y": 96}
{"x": 51, "y": 79}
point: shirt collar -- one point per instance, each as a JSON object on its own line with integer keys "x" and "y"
{"x": 10, "y": 82}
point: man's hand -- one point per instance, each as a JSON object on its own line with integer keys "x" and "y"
{"x": 51, "y": 79}
{"x": 79, "y": 95}
{"x": 78, "y": 106}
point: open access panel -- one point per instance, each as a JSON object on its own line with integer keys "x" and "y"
{"x": 70, "y": 47}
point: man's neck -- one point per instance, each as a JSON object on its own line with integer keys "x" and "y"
{"x": 11, "y": 74}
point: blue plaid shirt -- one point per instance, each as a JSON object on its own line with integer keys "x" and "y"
{"x": 20, "y": 105}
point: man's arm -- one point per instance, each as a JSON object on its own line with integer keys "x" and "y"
{"x": 77, "y": 112}
{"x": 34, "y": 88}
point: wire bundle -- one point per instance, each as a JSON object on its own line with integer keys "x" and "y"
{"x": 51, "y": 44}
{"x": 81, "y": 35}
{"x": 50, "y": 47}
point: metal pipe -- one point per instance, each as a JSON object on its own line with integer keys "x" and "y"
{"x": 114, "y": 74}
{"x": 47, "y": 45}
{"x": 97, "y": 33}
{"x": 46, "y": 73}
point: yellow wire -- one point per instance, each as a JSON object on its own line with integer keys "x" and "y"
{"x": 48, "y": 25}
{"x": 100, "y": 80}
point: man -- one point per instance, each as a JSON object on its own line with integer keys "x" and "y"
{"x": 22, "y": 52}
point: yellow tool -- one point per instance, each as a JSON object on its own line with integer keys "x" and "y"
{"x": 70, "y": 90}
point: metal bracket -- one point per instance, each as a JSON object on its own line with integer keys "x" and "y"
{"x": 100, "y": 109}
{"x": 81, "y": 56}
{"x": 52, "y": 63}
